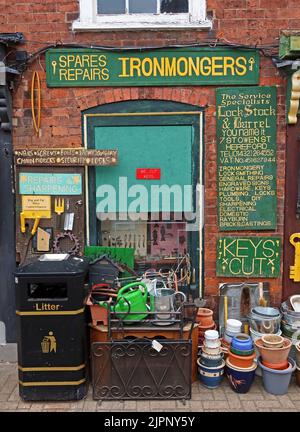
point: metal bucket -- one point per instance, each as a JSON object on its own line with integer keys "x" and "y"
{"x": 164, "y": 301}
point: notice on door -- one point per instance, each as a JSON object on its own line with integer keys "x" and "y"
{"x": 248, "y": 257}
{"x": 246, "y": 138}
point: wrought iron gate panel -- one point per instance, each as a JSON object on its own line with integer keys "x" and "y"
{"x": 134, "y": 370}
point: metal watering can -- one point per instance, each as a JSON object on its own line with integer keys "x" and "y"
{"x": 164, "y": 300}
{"x": 130, "y": 300}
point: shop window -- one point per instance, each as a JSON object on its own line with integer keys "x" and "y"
{"x": 141, "y": 14}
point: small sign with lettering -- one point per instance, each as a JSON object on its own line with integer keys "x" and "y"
{"x": 148, "y": 173}
{"x": 50, "y": 184}
{"x": 33, "y": 203}
{"x": 66, "y": 157}
{"x": 248, "y": 257}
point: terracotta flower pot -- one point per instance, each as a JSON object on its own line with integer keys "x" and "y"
{"x": 274, "y": 355}
{"x": 205, "y": 317}
{"x": 272, "y": 341}
{"x": 241, "y": 361}
{"x": 202, "y": 329}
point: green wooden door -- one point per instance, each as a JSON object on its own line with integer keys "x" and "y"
{"x": 164, "y": 147}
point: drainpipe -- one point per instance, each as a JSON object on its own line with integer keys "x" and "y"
{"x": 7, "y": 212}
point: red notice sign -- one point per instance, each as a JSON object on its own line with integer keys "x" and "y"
{"x": 148, "y": 173}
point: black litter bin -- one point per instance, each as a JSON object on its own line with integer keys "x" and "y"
{"x": 52, "y": 340}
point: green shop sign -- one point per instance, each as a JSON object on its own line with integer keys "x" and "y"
{"x": 248, "y": 257}
{"x": 246, "y": 147}
{"x": 190, "y": 66}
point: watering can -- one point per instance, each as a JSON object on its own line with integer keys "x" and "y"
{"x": 130, "y": 300}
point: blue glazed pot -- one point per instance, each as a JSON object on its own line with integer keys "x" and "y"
{"x": 211, "y": 360}
{"x": 240, "y": 380}
{"x": 242, "y": 342}
{"x": 210, "y": 377}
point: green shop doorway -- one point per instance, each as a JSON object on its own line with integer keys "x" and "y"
{"x": 152, "y": 200}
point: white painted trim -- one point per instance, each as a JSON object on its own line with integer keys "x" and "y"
{"x": 89, "y": 20}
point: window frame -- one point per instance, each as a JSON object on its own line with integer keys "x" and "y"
{"x": 90, "y": 20}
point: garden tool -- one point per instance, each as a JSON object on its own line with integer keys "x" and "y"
{"x": 59, "y": 208}
{"x": 34, "y": 207}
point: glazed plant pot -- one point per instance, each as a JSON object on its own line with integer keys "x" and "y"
{"x": 242, "y": 353}
{"x": 212, "y": 339}
{"x": 272, "y": 341}
{"x": 211, "y": 351}
{"x": 210, "y": 377}
{"x": 241, "y": 361}
{"x": 278, "y": 366}
{"x": 211, "y": 360}
{"x": 277, "y": 381}
{"x": 205, "y": 317}
{"x": 298, "y": 376}
{"x": 297, "y": 346}
{"x": 242, "y": 342}
{"x": 274, "y": 355}
{"x": 240, "y": 379}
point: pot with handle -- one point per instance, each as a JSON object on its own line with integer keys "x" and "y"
{"x": 164, "y": 301}
{"x": 131, "y": 304}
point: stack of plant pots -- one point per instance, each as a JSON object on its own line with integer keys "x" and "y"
{"x": 290, "y": 325}
{"x": 240, "y": 365}
{"x": 210, "y": 363}
{"x": 277, "y": 367}
{"x": 233, "y": 328}
{"x": 205, "y": 322}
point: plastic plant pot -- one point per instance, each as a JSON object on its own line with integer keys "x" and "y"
{"x": 240, "y": 379}
{"x": 277, "y": 381}
{"x": 242, "y": 342}
{"x": 274, "y": 355}
{"x": 298, "y": 376}
{"x": 233, "y": 325}
{"x": 210, "y": 377}
{"x": 241, "y": 353}
{"x": 278, "y": 366}
{"x": 241, "y": 361}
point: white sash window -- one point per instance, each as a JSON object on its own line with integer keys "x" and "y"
{"x": 141, "y": 14}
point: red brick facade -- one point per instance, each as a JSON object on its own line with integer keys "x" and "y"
{"x": 240, "y": 21}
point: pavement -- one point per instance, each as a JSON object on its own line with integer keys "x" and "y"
{"x": 221, "y": 399}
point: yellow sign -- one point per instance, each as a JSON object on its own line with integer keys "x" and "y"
{"x": 34, "y": 206}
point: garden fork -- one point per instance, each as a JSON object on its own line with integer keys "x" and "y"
{"x": 59, "y": 208}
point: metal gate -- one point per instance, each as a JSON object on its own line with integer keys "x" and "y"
{"x": 133, "y": 369}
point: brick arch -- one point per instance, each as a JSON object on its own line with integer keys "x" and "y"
{"x": 189, "y": 95}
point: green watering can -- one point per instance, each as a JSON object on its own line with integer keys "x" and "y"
{"x": 130, "y": 300}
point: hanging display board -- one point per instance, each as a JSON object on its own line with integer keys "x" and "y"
{"x": 65, "y": 157}
{"x": 248, "y": 257}
{"x": 50, "y": 183}
{"x": 79, "y": 67}
{"x": 246, "y": 139}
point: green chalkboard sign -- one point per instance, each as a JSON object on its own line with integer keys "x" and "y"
{"x": 246, "y": 140}
{"x": 248, "y": 257}
{"x": 79, "y": 67}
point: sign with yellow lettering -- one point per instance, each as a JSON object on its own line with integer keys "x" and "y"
{"x": 189, "y": 66}
{"x": 248, "y": 257}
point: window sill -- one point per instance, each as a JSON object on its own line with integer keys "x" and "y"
{"x": 81, "y": 26}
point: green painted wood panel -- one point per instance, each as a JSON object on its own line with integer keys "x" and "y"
{"x": 81, "y": 67}
{"x": 246, "y": 138}
{"x": 168, "y": 148}
{"x": 248, "y": 257}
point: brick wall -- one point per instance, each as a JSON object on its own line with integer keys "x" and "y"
{"x": 241, "y": 21}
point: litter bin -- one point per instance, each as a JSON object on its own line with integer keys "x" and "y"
{"x": 52, "y": 339}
